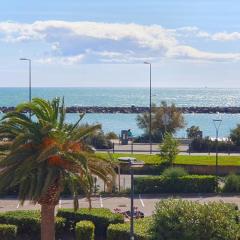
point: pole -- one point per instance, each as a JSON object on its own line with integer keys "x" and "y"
{"x": 29, "y": 80}
{"x": 30, "y": 85}
{"x": 150, "y": 109}
{"x": 132, "y": 213}
{"x": 119, "y": 180}
{"x": 217, "y": 159}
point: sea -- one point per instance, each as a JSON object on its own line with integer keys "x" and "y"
{"x": 138, "y": 97}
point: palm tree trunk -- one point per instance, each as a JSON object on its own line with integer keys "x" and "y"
{"x": 47, "y": 222}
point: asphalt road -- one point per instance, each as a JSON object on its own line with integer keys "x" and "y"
{"x": 145, "y": 203}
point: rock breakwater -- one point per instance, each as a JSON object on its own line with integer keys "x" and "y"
{"x": 135, "y": 109}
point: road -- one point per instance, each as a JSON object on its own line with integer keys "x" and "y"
{"x": 145, "y": 203}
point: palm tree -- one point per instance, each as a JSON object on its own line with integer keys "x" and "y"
{"x": 46, "y": 153}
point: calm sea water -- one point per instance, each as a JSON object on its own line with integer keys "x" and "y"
{"x": 137, "y": 97}
{"x": 126, "y": 96}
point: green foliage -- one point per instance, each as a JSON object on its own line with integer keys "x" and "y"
{"x": 178, "y": 219}
{"x": 193, "y": 132}
{"x": 8, "y": 232}
{"x": 5, "y": 146}
{"x": 174, "y": 172}
{"x": 84, "y": 230}
{"x": 100, "y": 217}
{"x": 232, "y": 184}
{"x": 28, "y": 222}
{"x": 164, "y": 119}
{"x": 99, "y": 141}
{"x": 111, "y": 135}
{"x": 235, "y": 135}
{"x": 47, "y": 151}
{"x": 185, "y": 184}
{"x": 207, "y": 145}
{"x": 122, "y": 231}
{"x": 169, "y": 148}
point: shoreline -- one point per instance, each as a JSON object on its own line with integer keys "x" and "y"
{"x": 137, "y": 110}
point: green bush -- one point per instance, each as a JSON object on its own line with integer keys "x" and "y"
{"x": 84, "y": 230}
{"x": 8, "y": 232}
{"x": 28, "y": 223}
{"x": 178, "y": 219}
{"x": 232, "y": 184}
{"x": 122, "y": 231}
{"x": 5, "y": 146}
{"x": 185, "y": 184}
{"x": 174, "y": 172}
{"x": 100, "y": 217}
{"x": 111, "y": 135}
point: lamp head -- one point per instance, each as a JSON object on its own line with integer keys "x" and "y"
{"x": 24, "y": 59}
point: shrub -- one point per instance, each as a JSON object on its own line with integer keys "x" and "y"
{"x": 178, "y": 219}
{"x": 169, "y": 148}
{"x": 111, "y": 135}
{"x": 8, "y": 232}
{"x": 232, "y": 183}
{"x": 5, "y": 146}
{"x": 99, "y": 141}
{"x": 185, "y": 184}
{"x": 84, "y": 230}
{"x": 100, "y": 217}
{"x": 122, "y": 231}
{"x": 174, "y": 172}
{"x": 207, "y": 145}
{"x": 28, "y": 222}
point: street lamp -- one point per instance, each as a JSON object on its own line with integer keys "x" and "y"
{"x": 217, "y": 124}
{"x": 132, "y": 163}
{"x": 150, "y": 105}
{"x": 30, "y": 79}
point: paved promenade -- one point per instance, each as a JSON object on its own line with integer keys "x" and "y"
{"x": 145, "y": 203}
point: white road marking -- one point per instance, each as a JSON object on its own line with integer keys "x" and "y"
{"x": 101, "y": 201}
{"x": 141, "y": 200}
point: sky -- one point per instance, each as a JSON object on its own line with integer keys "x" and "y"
{"x": 104, "y": 43}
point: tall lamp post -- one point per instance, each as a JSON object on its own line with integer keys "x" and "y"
{"x": 30, "y": 79}
{"x": 150, "y": 105}
{"x": 132, "y": 163}
{"x": 217, "y": 124}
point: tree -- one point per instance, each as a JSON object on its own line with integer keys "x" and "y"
{"x": 169, "y": 148}
{"x": 164, "y": 119}
{"x": 235, "y": 135}
{"x": 45, "y": 154}
{"x": 194, "y": 132}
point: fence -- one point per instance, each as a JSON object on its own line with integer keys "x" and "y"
{"x": 145, "y": 148}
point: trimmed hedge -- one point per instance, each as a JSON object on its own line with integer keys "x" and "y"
{"x": 8, "y": 232}
{"x": 185, "y": 184}
{"x": 122, "y": 231}
{"x": 84, "y": 230}
{"x": 100, "y": 217}
{"x": 28, "y": 222}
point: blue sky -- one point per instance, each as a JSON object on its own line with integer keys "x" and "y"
{"x": 104, "y": 43}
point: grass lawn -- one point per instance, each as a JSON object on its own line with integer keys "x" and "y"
{"x": 181, "y": 159}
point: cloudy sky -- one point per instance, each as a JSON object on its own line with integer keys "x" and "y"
{"x": 104, "y": 43}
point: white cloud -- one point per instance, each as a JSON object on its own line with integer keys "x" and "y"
{"x": 223, "y": 36}
{"x": 93, "y": 42}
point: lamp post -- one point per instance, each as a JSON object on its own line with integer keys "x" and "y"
{"x": 131, "y": 162}
{"x": 150, "y": 105}
{"x": 30, "y": 79}
{"x": 217, "y": 124}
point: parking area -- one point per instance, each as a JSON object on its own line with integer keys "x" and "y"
{"x": 145, "y": 203}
